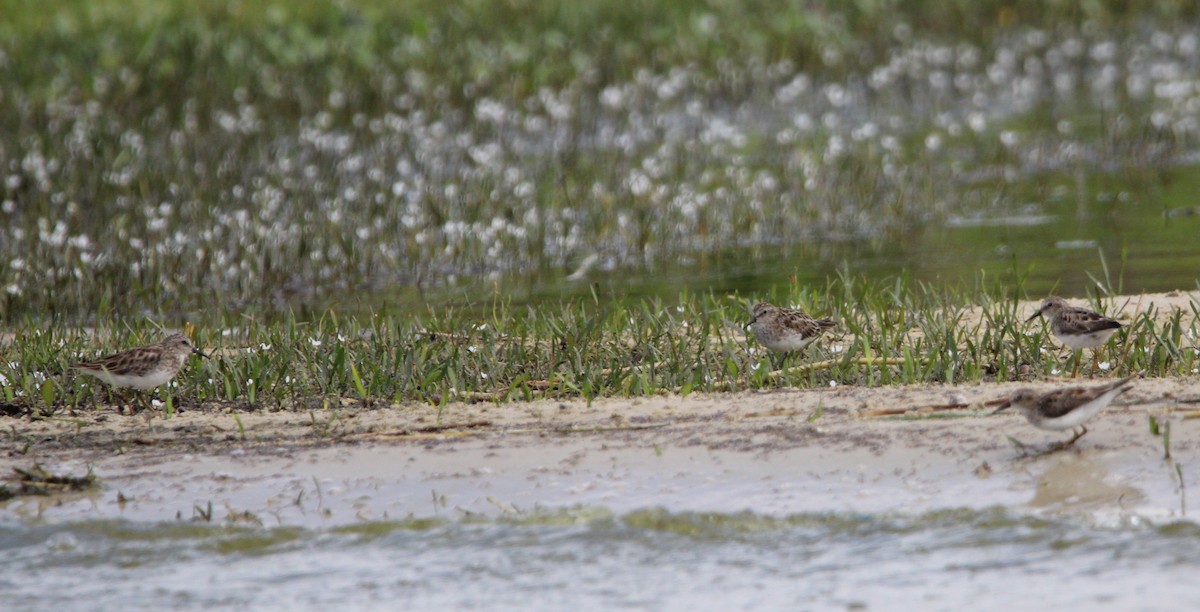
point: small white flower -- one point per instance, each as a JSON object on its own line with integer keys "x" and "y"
{"x": 1104, "y": 365}
{"x": 473, "y": 349}
{"x": 314, "y": 342}
{"x": 833, "y": 383}
{"x": 1055, "y": 372}
{"x": 264, "y": 346}
{"x": 837, "y": 348}
{"x": 156, "y": 403}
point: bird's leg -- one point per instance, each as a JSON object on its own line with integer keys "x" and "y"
{"x": 1094, "y": 360}
{"x": 777, "y": 361}
{"x": 1019, "y": 445}
{"x": 1075, "y": 372}
{"x": 122, "y": 398}
{"x": 1080, "y": 434}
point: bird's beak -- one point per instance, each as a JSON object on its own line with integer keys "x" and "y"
{"x": 1004, "y": 406}
{"x": 1035, "y": 315}
{"x": 752, "y": 320}
{"x": 199, "y": 352}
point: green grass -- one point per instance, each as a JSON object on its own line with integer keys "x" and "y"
{"x": 368, "y": 203}
{"x": 589, "y": 349}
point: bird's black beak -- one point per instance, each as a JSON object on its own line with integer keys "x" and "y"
{"x": 199, "y": 352}
{"x": 1035, "y": 315}
{"x": 752, "y": 320}
{"x": 1004, "y": 406}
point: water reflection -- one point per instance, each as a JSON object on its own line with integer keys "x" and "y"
{"x": 1076, "y": 483}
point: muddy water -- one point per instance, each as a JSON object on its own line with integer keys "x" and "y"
{"x": 580, "y": 523}
{"x": 592, "y": 559}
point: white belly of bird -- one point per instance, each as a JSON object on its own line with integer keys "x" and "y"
{"x": 150, "y": 380}
{"x": 1080, "y": 415}
{"x": 1077, "y": 342}
{"x": 785, "y": 343}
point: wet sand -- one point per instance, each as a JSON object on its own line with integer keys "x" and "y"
{"x": 776, "y": 452}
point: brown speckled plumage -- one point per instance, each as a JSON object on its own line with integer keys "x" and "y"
{"x": 1066, "y": 408}
{"x": 783, "y": 330}
{"x": 1074, "y": 326}
{"x": 144, "y": 367}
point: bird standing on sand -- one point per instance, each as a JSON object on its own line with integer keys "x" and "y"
{"x": 1077, "y": 328}
{"x": 144, "y": 367}
{"x": 1065, "y": 408}
{"x": 783, "y": 330}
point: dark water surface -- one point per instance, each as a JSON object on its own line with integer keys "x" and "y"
{"x": 587, "y": 559}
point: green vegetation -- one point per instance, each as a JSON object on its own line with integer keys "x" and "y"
{"x": 173, "y": 158}
{"x": 385, "y": 202}
{"x": 601, "y": 348}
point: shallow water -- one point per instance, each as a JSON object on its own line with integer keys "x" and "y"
{"x": 590, "y": 559}
{"x": 581, "y": 523}
{"x": 1127, "y": 234}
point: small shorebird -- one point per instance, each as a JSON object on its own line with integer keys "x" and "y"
{"x": 1077, "y": 328}
{"x": 144, "y": 367}
{"x": 783, "y": 330}
{"x": 1065, "y": 408}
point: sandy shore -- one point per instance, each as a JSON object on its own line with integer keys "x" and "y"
{"x": 908, "y": 449}
{"x": 775, "y": 452}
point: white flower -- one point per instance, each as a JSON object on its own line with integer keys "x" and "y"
{"x": 314, "y": 342}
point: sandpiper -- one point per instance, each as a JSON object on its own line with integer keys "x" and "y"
{"x": 1065, "y": 408}
{"x": 1077, "y": 328}
{"x": 783, "y": 330}
{"x": 144, "y": 367}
